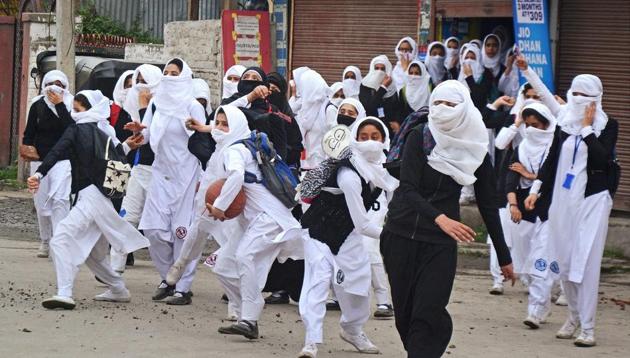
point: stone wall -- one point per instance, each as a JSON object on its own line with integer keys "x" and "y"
{"x": 144, "y": 53}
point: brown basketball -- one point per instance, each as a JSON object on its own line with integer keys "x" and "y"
{"x": 237, "y": 206}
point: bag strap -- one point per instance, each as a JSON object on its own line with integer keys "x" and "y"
{"x": 109, "y": 139}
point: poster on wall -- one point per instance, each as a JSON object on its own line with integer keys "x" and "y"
{"x": 246, "y": 39}
{"x": 531, "y": 31}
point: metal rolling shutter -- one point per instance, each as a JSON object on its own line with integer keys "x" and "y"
{"x": 595, "y": 38}
{"x": 473, "y": 8}
{"x": 329, "y": 35}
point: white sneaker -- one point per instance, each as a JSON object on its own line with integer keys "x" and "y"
{"x": 111, "y": 296}
{"x": 567, "y": 330}
{"x": 532, "y": 322}
{"x": 585, "y": 339}
{"x": 175, "y": 273}
{"x": 232, "y": 314}
{"x": 562, "y": 300}
{"x": 67, "y": 303}
{"x": 497, "y": 289}
{"x": 361, "y": 342}
{"x": 44, "y": 249}
{"x": 309, "y": 351}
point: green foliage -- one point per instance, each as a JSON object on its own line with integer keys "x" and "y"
{"x": 93, "y": 23}
{"x": 481, "y": 234}
{"x": 8, "y": 178}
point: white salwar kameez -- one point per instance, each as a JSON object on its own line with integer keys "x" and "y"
{"x": 169, "y": 207}
{"x": 52, "y": 200}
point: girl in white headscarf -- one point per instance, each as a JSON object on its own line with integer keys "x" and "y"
{"x": 335, "y": 253}
{"x": 529, "y": 238}
{"x": 46, "y": 123}
{"x": 509, "y": 82}
{"x": 451, "y": 60}
{"x": 422, "y": 229}
{"x": 349, "y": 110}
{"x": 230, "y": 80}
{"x": 83, "y": 235}
{"x": 314, "y": 97}
{"x": 351, "y": 79}
{"x": 415, "y": 94}
{"x": 201, "y": 91}
{"x": 574, "y": 184}
{"x": 168, "y": 211}
{"x": 491, "y": 55}
{"x": 406, "y": 51}
{"x": 435, "y": 62}
{"x": 378, "y": 93}
{"x": 336, "y": 97}
{"x": 144, "y": 83}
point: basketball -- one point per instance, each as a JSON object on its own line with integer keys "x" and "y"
{"x": 237, "y": 206}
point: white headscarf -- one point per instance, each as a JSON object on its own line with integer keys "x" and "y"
{"x": 52, "y": 76}
{"x": 172, "y": 100}
{"x": 202, "y": 90}
{"x": 239, "y": 129}
{"x": 476, "y": 65}
{"x": 417, "y": 90}
{"x": 314, "y": 93}
{"x": 533, "y": 150}
{"x": 460, "y": 135}
{"x": 120, "y": 92}
{"x": 99, "y": 113}
{"x": 477, "y": 43}
{"x": 351, "y": 86}
{"x": 570, "y": 119}
{"x": 435, "y": 64}
{"x": 356, "y": 104}
{"x": 374, "y": 77}
{"x": 398, "y": 73}
{"x": 229, "y": 87}
{"x": 297, "y": 75}
{"x": 368, "y": 157}
{"x": 450, "y": 52}
{"x": 152, "y": 75}
{"x": 491, "y": 63}
{"x": 334, "y": 88}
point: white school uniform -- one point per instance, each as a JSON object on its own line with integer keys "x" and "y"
{"x": 266, "y": 218}
{"x": 52, "y": 200}
{"x": 169, "y": 207}
{"x": 83, "y": 236}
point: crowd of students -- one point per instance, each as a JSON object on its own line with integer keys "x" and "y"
{"x": 541, "y": 171}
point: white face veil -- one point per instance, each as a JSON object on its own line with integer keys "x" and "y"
{"x": 50, "y": 77}
{"x": 120, "y": 92}
{"x": 99, "y": 113}
{"x": 334, "y": 88}
{"x": 152, "y": 75}
{"x": 570, "y": 119}
{"x": 229, "y": 87}
{"x": 477, "y": 67}
{"x": 368, "y": 157}
{"x": 202, "y": 90}
{"x": 351, "y": 86}
{"x": 450, "y": 52}
{"x": 533, "y": 149}
{"x": 492, "y": 63}
{"x": 460, "y": 135}
{"x": 175, "y": 93}
{"x": 435, "y": 63}
{"x": 238, "y": 129}
{"x": 374, "y": 77}
{"x": 417, "y": 90}
{"x": 398, "y": 72}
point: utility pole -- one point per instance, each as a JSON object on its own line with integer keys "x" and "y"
{"x": 65, "y": 12}
{"x": 193, "y": 10}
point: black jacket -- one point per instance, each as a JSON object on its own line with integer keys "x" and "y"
{"x": 77, "y": 143}
{"x": 512, "y": 185}
{"x": 144, "y": 154}
{"x": 372, "y": 100}
{"x": 44, "y": 128}
{"x": 600, "y": 153}
{"x": 425, "y": 193}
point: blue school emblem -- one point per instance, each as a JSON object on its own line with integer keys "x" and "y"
{"x": 340, "y": 277}
{"x": 554, "y": 267}
{"x": 540, "y": 265}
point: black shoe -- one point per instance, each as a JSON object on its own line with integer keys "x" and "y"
{"x": 225, "y": 298}
{"x": 332, "y": 305}
{"x": 179, "y": 299}
{"x": 384, "y": 311}
{"x": 277, "y": 298}
{"x": 247, "y": 329}
{"x": 130, "y": 259}
{"x": 163, "y": 291}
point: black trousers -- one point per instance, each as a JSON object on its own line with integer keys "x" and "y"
{"x": 421, "y": 278}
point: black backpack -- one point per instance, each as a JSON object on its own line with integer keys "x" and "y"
{"x": 113, "y": 170}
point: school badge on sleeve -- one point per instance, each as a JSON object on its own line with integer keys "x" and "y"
{"x": 540, "y": 265}
{"x": 181, "y": 232}
{"x": 340, "y": 277}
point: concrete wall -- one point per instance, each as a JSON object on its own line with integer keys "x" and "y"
{"x": 144, "y": 53}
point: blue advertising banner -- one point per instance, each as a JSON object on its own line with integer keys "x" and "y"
{"x": 531, "y": 31}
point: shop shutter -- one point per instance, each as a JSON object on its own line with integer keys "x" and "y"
{"x": 595, "y": 38}
{"x": 473, "y": 8}
{"x": 328, "y": 35}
